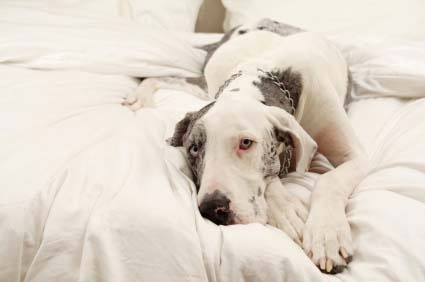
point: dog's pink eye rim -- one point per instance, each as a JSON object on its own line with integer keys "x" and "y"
{"x": 245, "y": 144}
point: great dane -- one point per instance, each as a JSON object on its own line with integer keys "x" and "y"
{"x": 279, "y": 96}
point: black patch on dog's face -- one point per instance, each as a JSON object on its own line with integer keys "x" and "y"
{"x": 190, "y": 132}
{"x": 270, "y": 158}
{"x": 198, "y": 140}
{"x": 184, "y": 127}
{"x": 273, "y": 96}
{"x": 253, "y": 202}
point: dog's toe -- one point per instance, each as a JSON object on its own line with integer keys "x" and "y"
{"x": 329, "y": 266}
{"x": 332, "y": 268}
{"x": 329, "y": 246}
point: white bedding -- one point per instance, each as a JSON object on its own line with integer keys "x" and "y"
{"x": 89, "y": 191}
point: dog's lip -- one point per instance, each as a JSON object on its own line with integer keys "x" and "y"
{"x": 235, "y": 220}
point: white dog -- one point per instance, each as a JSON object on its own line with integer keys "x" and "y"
{"x": 278, "y": 100}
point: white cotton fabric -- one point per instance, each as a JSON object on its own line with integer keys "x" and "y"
{"x": 89, "y": 190}
{"x": 39, "y": 39}
{"x": 383, "y": 66}
{"x": 401, "y": 18}
{"x": 383, "y": 41}
{"x": 173, "y": 15}
{"x": 178, "y": 15}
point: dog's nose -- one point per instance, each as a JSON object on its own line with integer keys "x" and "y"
{"x": 216, "y": 207}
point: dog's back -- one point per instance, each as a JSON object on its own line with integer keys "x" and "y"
{"x": 307, "y": 53}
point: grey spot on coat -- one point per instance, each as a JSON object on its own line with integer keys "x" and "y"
{"x": 184, "y": 127}
{"x": 277, "y": 27}
{"x": 187, "y": 133}
{"x": 273, "y": 95}
{"x": 200, "y": 81}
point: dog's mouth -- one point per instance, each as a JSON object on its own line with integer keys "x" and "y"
{"x": 226, "y": 213}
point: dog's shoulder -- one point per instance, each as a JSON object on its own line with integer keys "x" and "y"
{"x": 280, "y": 88}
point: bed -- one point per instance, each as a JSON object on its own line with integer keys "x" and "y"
{"x": 89, "y": 190}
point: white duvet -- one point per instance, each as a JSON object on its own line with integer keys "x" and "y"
{"x": 89, "y": 191}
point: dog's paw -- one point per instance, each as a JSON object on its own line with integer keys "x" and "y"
{"x": 288, "y": 213}
{"x": 142, "y": 96}
{"x": 327, "y": 241}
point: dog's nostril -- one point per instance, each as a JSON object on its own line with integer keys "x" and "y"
{"x": 223, "y": 213}
{"x": 221, "y": 210}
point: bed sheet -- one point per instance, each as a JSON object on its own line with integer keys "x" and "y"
{"x": 91, "y": 192}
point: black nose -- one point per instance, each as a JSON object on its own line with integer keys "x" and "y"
{"x": 216, "y": 207}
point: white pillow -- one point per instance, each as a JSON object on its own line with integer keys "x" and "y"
{"x": 384, "y": 66}
{"x": 179, "y": 15}
{"x": 176, "y": 15}
{"x": 403, "y": 18}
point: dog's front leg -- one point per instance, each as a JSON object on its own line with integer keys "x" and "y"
{"x": 327, "y": 236}
{"x": 143, "y": 94}
{"x": 285, "y": 211}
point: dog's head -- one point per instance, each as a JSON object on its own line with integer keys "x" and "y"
{"x": 234, "y": 147}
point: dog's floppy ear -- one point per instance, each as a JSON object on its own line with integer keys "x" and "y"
{"x": 184, "y": 126}
{"x": 181, "y": 129}
{"x": 304, "y": 146}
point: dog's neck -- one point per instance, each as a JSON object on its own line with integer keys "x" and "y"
{"x": 261, "y": 86}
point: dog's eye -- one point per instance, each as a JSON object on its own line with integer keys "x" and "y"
{"x": 245, "y": 144}
{"x": 242, "y": 31}
{"x": 194, "y": 150}
{"x": 261, "y": 27}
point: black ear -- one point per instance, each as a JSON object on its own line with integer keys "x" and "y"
{"x": 285, "y": 138}
{"x": 304, "y": 146}
{"x": 183, "y": 127}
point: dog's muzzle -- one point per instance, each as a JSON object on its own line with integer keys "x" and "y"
{"x": 216, "y": 207}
